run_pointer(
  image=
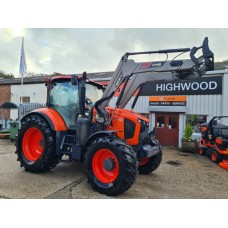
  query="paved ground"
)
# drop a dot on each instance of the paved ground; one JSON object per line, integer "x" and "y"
{"x": 181, "y": 175}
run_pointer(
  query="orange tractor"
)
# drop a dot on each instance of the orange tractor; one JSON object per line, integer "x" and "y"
{"x": 214, "y": 142}
{"x": 113, "y": 143}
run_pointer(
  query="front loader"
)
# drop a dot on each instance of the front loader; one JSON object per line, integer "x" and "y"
{"x": 113, "y": 143}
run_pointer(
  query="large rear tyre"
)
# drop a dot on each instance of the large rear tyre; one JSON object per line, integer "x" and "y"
{"x": 36, "y": 147}
{"x": 111, "y": 166}
{"x": 148, "y": 165}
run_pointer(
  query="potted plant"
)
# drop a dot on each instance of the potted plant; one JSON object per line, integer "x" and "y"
{"x": 188, "y": 143}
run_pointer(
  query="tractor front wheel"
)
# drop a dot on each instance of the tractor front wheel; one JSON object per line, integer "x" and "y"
{"x": 36, "y": 148}
{"x": 200, "y": 149}
{"x": 111, "y": 165}
{"x": 148, "y": 165}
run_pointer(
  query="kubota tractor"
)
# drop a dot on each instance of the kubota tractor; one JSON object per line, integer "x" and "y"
{"x": 113, "y": 143}
{"x": 214, "y": 142}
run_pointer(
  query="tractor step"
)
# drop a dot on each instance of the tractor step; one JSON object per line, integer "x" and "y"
{"x": 66, "y": 160}
{"x": 66, "y": 146}
{"x": 70, "y": 149}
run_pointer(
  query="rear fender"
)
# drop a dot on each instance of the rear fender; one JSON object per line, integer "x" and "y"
{"x": 55, "y": 122}
{"x": 53, "y": 118}
{"x": 221, "y": 150}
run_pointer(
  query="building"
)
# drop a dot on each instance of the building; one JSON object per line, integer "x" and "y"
{"x": 5, "y": 96}
{"x": 184, "y": 102}
{"x": 169, "y": 105}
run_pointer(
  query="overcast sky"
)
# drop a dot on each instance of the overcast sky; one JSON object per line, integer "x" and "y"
{"x": 96, "y": 50}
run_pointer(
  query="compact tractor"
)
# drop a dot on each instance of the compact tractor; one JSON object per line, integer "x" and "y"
{"x": 214, "y": 142}
{"x": 114, "y": 144}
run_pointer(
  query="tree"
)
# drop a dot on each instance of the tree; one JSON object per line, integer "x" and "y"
{"x": 34, "y": 74}
{"x": 5, "y": 76}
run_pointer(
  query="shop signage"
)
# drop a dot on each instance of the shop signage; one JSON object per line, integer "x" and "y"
{"x": 167, "y": 100}
{"x": 200, "y": 86}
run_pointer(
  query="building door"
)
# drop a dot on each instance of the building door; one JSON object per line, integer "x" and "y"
{"x": 167, "y": 128}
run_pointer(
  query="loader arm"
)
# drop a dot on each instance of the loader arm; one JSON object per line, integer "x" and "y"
{"x": 133, "y": 74}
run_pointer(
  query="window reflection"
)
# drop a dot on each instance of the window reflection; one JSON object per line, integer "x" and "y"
{"x": 160, "y": 121}
{"x": 93, "y": 94}
{"x": 64, "y": 98}
{"x": 172, "y": 122}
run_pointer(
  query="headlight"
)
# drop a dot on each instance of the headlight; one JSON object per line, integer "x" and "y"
{"x": 144, "y": 125}
{"x": 129, "y": 129}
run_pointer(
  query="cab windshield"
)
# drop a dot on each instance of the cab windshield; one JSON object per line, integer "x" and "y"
{"x": 64, "y": 98}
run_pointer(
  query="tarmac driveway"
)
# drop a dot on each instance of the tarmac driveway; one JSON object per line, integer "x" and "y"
{"x": 180, "y": 175}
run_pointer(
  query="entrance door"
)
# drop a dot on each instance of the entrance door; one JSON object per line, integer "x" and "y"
{"x": 167, "y": 128}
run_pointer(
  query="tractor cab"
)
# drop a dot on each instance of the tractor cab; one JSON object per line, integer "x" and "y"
{"x": 64, "y": 97}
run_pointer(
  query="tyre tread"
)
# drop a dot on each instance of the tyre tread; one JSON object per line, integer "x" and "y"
{"x": 129, "y": 160}
{"x": 153, "y": 163}
{"x": 49, "y": 158}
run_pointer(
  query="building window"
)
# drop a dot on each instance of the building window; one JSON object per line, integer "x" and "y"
{"x": 172, "y": 122}
{"x": 160, "y": 121}
{"x": 25, "y": 99}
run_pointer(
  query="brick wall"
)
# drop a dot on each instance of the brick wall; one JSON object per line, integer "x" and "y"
{"x": 4, "y": 97}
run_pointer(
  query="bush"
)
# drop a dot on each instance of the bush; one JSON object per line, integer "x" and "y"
{"x": 188, "y": 132}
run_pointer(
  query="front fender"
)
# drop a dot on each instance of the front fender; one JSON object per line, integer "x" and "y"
{"x": 97, "y": 135}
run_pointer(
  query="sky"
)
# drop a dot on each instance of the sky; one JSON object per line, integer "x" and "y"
{"x": 96, "y": 50}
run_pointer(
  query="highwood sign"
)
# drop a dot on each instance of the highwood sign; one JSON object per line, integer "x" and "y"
{"x": 200, "y": 86}
{"x": 167, "y": 100}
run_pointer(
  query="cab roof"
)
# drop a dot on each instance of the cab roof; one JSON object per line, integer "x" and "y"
{"x": 68, "y": 77}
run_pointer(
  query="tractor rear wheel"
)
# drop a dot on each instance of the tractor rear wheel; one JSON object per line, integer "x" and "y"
{"x": 111, "y": 165}
{"x": 36, "y": 147}
{"x": 148, "y": 165}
